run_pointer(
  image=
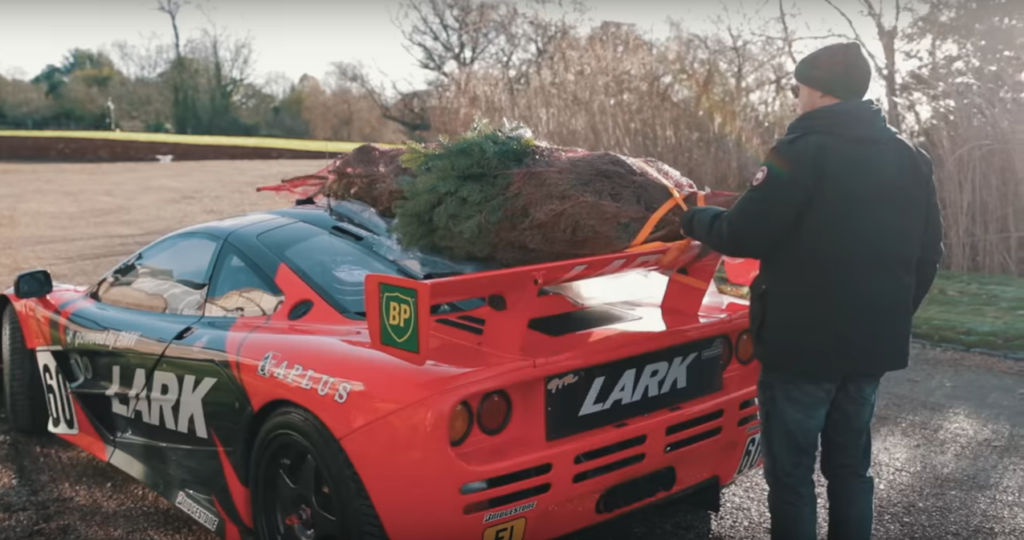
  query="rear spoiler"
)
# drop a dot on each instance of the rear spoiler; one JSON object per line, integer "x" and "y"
{"x": 402, "y": 313}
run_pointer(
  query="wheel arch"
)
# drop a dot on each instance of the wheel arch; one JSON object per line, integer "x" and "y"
{"x": 372, "y": 527}
{"x": 259, "y": 419}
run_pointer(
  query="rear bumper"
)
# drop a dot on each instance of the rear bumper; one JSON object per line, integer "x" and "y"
{"x": 422, "y": 490}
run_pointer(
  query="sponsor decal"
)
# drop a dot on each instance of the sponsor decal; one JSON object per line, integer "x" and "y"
{"x": 81, "y": 368}
{"x": 762, "y": 173}
{"x": 714, "y": 350}
{"x": 197, "y": 512}
{"x": 107, "y": 338}
{"x": 399, "y": 327}
{"x": 656, "y": 379}
{"x": 273, "y": 366}
{"x": 751, "y": 455}
{"x": 555, "y": 384}
{"x": 512, "y": 530}
{"x": 63, "y": 418}
{"x": 495, "y": 516}
{"x": 156, "y": 406}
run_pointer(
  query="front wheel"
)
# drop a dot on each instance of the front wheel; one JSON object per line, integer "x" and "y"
{"x": 22, "y": 385}
{"x": 303, "y": 487}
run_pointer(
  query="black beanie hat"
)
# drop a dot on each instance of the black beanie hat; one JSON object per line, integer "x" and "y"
{"x": 840, "y": 70}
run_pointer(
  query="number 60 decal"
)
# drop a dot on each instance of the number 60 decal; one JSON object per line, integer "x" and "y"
{"x": 58, "y": 396}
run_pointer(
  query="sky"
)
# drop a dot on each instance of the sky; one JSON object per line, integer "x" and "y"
{"x": 297, "y": 37}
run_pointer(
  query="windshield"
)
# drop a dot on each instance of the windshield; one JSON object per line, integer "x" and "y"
{"x": 333, "y": 266}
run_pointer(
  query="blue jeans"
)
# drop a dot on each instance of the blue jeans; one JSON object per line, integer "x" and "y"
{"x": 794, "y": 413}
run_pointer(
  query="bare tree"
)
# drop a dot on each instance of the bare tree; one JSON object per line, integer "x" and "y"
{"x": 171, "y": 8}
{"x": 445, "y": 36}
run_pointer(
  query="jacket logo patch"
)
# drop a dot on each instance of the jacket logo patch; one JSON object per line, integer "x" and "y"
{"x": 156, "y": 406}
{"x": 271, "y": 365}
{"x": 762, "y": 173}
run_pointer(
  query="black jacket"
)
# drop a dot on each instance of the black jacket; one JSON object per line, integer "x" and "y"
{"x": 844, "y": 219}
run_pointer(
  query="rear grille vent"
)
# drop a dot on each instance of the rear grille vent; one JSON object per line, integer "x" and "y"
{"x": 605, "y": 451}
{"x": 461, "y": 326}
{"x": 505, "y": 479}
{"x": 504, "y": 500}
{"x": 607, "y": 469}
{"x": 694, "y": 422}
{"x": 748, "y": 419}
{"x": 690, "y": 441}
{"x": 752, "y": 402}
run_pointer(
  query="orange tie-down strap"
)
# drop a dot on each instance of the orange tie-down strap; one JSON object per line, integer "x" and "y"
{"x": 677, "y": 248}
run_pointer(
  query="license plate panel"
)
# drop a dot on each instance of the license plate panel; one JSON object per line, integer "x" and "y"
{"x": 598, "y": 396}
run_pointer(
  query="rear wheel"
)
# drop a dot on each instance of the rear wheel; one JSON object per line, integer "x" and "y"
{"x": 23, "y": 396}
{"x": 303, "y": 487}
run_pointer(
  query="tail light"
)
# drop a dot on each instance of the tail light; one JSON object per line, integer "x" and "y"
{"x": 460, "y": 424}
{"x": 745, "y": 347}
{"x": 494, "y": 412}
{"x": 726, "y": 352}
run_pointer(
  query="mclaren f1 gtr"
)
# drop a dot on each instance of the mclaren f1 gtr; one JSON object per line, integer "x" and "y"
{"x": 298, "y": 374}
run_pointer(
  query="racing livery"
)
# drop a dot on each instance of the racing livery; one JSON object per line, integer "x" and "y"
{"x": 297, "y": 374}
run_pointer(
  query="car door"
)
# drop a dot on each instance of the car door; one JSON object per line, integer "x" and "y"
{"x": 241, "y": 298}
{"x": 114, "y": 337}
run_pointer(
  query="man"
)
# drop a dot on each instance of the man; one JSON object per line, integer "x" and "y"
{"x": 844, "y": 219}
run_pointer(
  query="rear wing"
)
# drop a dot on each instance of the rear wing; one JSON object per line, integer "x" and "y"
{"x": 403, "y": 313}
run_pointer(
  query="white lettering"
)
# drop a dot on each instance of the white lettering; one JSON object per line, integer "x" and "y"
{"x": 299, "y": 373}
{"x": 279, "y": 372}
{"x": 162, "y": 398}
{"x": 342, "y": 394}
{"x": 115, "y": 384}
{"x": 652, "y": 375}
{"x": 191, "y": 404}
{"x": 137, "y": 400}
{"x": 623, "y": 390}
{"x": 677, "y": 373}
{"x": 325, "y": 385}
{"x": 589, "y": 406}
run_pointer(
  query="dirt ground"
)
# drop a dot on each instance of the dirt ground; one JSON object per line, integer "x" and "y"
{"x": 949, "y": 432}
{"x": 78, "y": 220}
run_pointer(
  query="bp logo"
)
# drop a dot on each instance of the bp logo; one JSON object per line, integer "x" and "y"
{"x": 399, "y": 327}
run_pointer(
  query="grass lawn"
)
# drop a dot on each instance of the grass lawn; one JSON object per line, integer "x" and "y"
{"x": 217, "y": 140}
{"x": 974, "y": 310}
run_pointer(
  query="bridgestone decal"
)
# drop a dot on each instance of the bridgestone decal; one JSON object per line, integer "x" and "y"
{"x": 199, "y": 513}
{"x": 494, "y": 516}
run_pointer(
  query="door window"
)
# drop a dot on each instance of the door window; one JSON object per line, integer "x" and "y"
{"x": 240, "y": 290}
{"x": 170, "y": 276}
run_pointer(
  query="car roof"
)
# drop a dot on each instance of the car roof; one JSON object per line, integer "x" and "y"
{"x": 222, "y": 228}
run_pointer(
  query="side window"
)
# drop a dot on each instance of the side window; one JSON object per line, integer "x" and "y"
{"x": 170, "y": 276}
{"x": 239, "y": 290}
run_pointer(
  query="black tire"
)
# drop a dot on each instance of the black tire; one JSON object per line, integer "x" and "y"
{"x": 288, "y": 438}
{"x": 23, "y": 396}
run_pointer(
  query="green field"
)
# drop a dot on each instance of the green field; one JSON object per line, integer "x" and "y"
{"x": 976, "y": 311}
{"x": 340, "y": 147}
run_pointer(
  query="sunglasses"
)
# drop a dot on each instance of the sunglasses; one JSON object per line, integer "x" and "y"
{"x": 795, "y": 90}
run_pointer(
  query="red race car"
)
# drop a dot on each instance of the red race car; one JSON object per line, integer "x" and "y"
{"x": 298, "y": 374}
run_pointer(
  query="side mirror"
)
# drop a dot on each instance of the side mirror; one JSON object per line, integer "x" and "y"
{"x": 33, "y": 284}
